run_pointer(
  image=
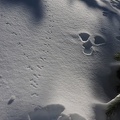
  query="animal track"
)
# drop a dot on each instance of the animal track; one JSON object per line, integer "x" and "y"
{"x": 98, "y": 40}
{"x": 84, "y": 37}
{"x": 19, "y": 43}
{"x": 33, "y": 83}
{"x": 35, "y": 75}
{"x": 7, "y": 23}
{"x": 14, "y": 33}
{"x": 106, "y": 13}
{"x": 42, "y": 58}
{"x": 40, "y": 67}
{"x": 115, "y": 3}
{"x": 103, "y": 30}
{"x": 87, "y": 48}
{"x": 88, "y": 45}
{"x": 34, "y": 94}
{"x": 47, "y": 44}
{"x": 30, "y": 67}
{"x": 25, "y": 55}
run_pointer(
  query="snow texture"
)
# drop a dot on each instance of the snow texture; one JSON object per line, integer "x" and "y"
{"x": 57, "y": 54}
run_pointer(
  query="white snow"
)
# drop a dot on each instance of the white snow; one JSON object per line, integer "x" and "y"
{"x": 44, "y": 60}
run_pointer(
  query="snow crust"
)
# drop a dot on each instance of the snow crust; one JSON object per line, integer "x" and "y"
{"x": 44, "y": 60}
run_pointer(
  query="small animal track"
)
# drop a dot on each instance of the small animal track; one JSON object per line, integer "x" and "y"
{"x": 19, "y": 43}
{"x": 40, "y": 67}
{"x": 14, "y": 33}
{"x": 7, "y": 23}
{"x": 30, "y": 67}
{"x": 50, "y": 23}
{"x": 43, "y": 59}
{"x": 33, "y": 83}
{"x": 106, "y": 13}
{"x": 115, "y": 3}
{"x": 98, "y": 40}
{"x": 36, "y": 75}
{"x": 84, "y": 37}
{"x": 34, "y": 94}
{"x": 25, "y": 55}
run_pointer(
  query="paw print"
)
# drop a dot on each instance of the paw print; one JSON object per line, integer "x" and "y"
{"x": 89, "y": 43}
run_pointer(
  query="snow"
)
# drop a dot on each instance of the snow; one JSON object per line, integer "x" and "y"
{"x": 44, "y": 60}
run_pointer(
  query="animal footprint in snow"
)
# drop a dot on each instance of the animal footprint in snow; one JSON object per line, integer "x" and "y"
{"x": 115, "y": 4}
{"x": 108, "y": 13}
{"x": 98, "y": 40}
{"x": 33, "y": 83}
{"x": 87, "y": 48}
{"x": 84, "y": 37}
{"x": 118, "y": 37}
{"x": 34, "y": 94}
{"x": 105, "y": 13}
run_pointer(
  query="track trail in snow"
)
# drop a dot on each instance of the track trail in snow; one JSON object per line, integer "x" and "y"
{"x": 61, "y": 56}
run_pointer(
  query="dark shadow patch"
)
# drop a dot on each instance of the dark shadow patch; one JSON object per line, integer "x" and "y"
{"x": 108, "y": 13}
{"x": 64, "y": 117}
{"x": 99, "y": 110}
{"x": 87, "y": 48}
{"x": 100, "y": 113}
{"x": 116, "y": 4}
{"x": 76, "y": 117}
{"x": 12, "y": 99}
{"x": 93, "y": 4}
{"x": 84, "y": 36}
{"x": 118, "y": 37}
{"x": 99, "y": 40}
{"x": 30, "y": 111}
{"x": 48, "y": 112}
{"x": 35, "y": 6}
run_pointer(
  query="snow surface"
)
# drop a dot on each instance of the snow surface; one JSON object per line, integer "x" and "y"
{"x": 57, "y": 54}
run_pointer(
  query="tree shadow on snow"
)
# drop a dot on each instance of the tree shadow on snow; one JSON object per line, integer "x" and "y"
{"x": 94, "y": 4}
{"x": 27, "y": 111}
{"x": 100, "y": 113}
{"x": 99, "y": 110}
{"x": 35, "y": 6}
